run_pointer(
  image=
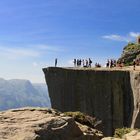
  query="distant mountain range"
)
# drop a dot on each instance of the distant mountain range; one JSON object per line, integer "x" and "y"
{"x": 20, "y": 93}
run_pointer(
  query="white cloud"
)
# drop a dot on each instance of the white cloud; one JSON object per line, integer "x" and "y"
{"x": 48, "y": 48}
{"x": 12, "y": 52}
{"x": 129, "y": 37}
{"x": 18, "y": 52}
{"x": 116, "y": 38}
{"x": 133, "y": 34}
{"x": 23, "y": 52}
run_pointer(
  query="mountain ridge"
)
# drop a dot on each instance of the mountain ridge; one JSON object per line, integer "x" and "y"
{"x": 16, "y": 93}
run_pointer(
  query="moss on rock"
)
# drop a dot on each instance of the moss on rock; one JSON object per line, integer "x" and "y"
{"x": 83, "y": 118}
{"x": 120, "y": 132}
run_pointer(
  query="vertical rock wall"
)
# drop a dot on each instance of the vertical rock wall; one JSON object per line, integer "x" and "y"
{"x": 111, "y": 96}
{"x": 135, "y": 85}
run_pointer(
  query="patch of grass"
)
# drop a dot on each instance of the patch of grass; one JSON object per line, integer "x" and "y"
{"x": 120, "y": 132}
{"x": 83, "y": 118}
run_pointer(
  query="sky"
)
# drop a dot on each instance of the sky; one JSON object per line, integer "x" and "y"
{"x": 35, "y": 32}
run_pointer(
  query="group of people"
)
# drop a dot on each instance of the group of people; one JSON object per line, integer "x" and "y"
{"x": 111, "y": 63}
{"x": 82, "y": 62}
{"x": 97, "y": 65}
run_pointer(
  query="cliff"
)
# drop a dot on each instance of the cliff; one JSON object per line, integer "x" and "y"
{"x": 110, "y": 95}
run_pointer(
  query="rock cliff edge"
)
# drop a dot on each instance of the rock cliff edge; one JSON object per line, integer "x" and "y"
{"x": 110, "y": 95}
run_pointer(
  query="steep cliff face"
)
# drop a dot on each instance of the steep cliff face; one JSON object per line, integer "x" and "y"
{"x": 111, "y": 96}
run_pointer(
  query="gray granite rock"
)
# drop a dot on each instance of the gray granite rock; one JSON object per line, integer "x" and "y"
{"x": 113, "y": 96}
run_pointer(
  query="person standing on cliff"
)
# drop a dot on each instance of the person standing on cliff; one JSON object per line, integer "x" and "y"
{"x": 134, "y": 64}
{"x": 74, "y": 62}
{"x": 55, "y": 62}
{"x": 90, "y": 62}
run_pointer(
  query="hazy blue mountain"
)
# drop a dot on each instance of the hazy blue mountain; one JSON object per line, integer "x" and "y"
{"x": 20, "y": 93}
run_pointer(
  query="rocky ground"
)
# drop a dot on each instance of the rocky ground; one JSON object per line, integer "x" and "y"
{"x": 43, "y": 124}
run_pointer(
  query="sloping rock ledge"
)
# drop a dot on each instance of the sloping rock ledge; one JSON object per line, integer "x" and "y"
{"x": 43, "y": 124}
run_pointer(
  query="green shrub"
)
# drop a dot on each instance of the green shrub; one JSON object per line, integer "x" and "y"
{"x": 131, "y": 43}
{"x": 83, "y": 118}
{"x": 120, "y": 132}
